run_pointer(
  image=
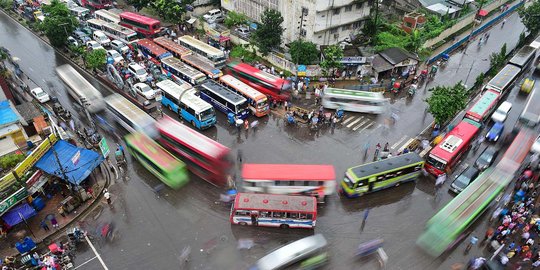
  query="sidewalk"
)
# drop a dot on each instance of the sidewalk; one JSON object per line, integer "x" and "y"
{"x": 100, "y": 179}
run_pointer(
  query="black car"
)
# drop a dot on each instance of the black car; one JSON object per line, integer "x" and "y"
{"x": 487, "y": 158}
{"x": 464, "y": 179}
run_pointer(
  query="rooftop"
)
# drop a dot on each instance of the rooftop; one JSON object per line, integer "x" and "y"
{"x": 7, "y": 113}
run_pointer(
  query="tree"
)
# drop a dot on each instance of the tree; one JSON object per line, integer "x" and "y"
{"x": 332, "y": 58}
{"x": 59, "y": 23}
{"x": 415, "y": 41}
{"x": 171, "y": 11}
{"x": 95, "y": 59}
{"x": 530, "y": 17}
{"x": 446, "y": 101}
{"x": 139, "y": 4}
{"x": 497, "y": 60}
{"x": 268, "y": 34}
{"x": 234, "y": 19}
{"x": 303, "y": 52}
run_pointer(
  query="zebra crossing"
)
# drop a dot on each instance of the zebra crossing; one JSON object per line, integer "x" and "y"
{"x": 357, "y": 123}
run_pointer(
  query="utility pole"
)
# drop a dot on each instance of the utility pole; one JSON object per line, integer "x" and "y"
{"x": 300, "y": 29}
{"x": 64, "y": 175}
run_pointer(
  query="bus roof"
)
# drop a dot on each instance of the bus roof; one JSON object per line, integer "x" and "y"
{"x": 138, "y": 18}
{"x": 504, "y": 77}
{"x": 153, "y": 151}
{"x": 124, "y": 30}
{"x": 482, "y": 106}
{"x": 223, "y": 92}
{"x": 172, "y": 88}
{"x": 241, "y": 87}
{"x": 201, "y": 63}
{"x": 243, "y": 67}
{"x": 194, "y": 139}
{"x": 456, "y": 139}
{"x": 298, "y": 172}
{"x": 285, "y": 203}
{"x": 96, "y": 21}
{"x": 108, "y": 15}
{"x": 384, "y": 165}
{"x": 172, "y": 46}
{"x": 523, "y": 56}
{"x": 77, "y": 82}
{"x": 193, "y": 101}
{"x": 182, "y": 67}
{"x": 201, "y": 45}
{"x": 153, "y": 47}
{"x": 355, "y": 93}
{"x": 531, "y": 112}
{"x": 128, "y": 109}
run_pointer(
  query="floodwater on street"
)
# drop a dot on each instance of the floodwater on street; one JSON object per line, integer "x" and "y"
{"x": 154, "y": 227}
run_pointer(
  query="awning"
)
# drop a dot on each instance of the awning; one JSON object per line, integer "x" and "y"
{"x": 483, "y": 13}
{"x": 77, "y": 163}
{"x": 16, "y": 215}
{"x": 191, "y": 21}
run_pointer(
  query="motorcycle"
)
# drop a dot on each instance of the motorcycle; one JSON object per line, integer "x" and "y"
{"x": 444, "y": 59}
{"x": 412, "y": 90}
{"x": 369, "y": 247}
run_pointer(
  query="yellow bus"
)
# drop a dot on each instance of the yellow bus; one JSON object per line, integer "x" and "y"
{"x": 258, "y": 102}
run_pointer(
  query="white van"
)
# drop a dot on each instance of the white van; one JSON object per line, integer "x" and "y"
{"x": 101, "y": 38}
{"x": 80, "y": 12}
{"x": 213, "y": 15}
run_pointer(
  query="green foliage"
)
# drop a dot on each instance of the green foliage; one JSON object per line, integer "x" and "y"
{"x": 6, "y": 4}
{"x": 171, "y": 11}
{"x": 304, "y": 52}
{"x": 138, "y": 4}
{"x": 332, "y": 57}
{"x": 59, "y": 23}
{"x": 393, "y": 37}
{"x": 10, "y": 160}
{"x": 242, "y": 52}
{"x": 530, "y": 17}
{"x": 95, "y": 59}
{"x": 497, "y": 60}
{"x": 445, "y": 102}
{"x": 234, "y": 19}
{"x": 268, "y": 34}
{"x": 479, "y": 80}
{"x": 77, "y": 50}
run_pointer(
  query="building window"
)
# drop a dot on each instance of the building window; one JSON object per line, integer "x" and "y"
{"x": 336, "y": 11}
{"x": 356, "y": 25}
{"x": 319, "y": 37}
{"x": 346, "y": 27}
{"x": 333, "y": 30}
{"x": 348, "y": 8}
{"x": 303, "y": 32}
{"x": 359, "y": 6}
{"x": 305, "y": 11}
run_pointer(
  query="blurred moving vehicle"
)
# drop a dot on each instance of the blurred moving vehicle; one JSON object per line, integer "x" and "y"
{"x": 535, "y": 148}
{"x": 527, "y": 85}
{"x": 495, "y": 132}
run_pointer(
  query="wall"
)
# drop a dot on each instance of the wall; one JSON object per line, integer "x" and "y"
{"x": 461, "y": 24}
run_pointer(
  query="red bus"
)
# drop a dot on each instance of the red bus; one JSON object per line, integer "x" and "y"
{"x": 146, "y": 26}
{"x": 447, "y": 153}
{"x": 96, "y": 4}
{"x": 263, "y": 82}
{"x": 304, "y": 179}
{"x": 151, "y": 50}
{"x": 204, "y": 157}
{"x": 274, "y": 210}
{"x": 484, "y": 106}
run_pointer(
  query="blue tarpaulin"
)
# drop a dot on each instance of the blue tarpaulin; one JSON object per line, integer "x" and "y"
{"x": 77, "y": 163}
{"x": 7, "y": 115}
{"x": 16, "y": 215}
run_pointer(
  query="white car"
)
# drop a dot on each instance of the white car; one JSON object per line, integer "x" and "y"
{"x": 72, "y": 41}
{"x": 94, "y": 45}
{"x": 535, "y": 148}
{"x": 115, "y": 56}
{"x": 144, "y": 90}
{"x": 101, "y": 38}
{"x": 502, "y": 112}
{"x": 119, "y": 46}
{"x": 138, "y": 71}
{"x": 40, "y": 95}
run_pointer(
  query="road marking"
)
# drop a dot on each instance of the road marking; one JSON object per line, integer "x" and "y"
{"x": 366, "y": 127}
{"x": 89, "y": 260}
{"x": 424, "y": 152}
{"x": 348, "y": 119}
{"x": 398, "y": 142}
{"x": 406, "y": 144}
{"x": 361, "y": 124}
{"x": 354, "y": 122}
{"x": 95, "y": 252}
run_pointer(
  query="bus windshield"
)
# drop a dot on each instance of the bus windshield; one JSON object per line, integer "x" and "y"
{"x": 200, "y": 80}
{"x": 261, "y": 103}
{"x": 207, "y": 114}
{"x": 241, "y": 107}
{"x": 436, "y": 163}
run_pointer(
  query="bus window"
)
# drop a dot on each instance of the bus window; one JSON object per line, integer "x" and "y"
{"x": 205, "y": 115}
{"x": 264, "y": 214}
{"x": 278, "y": 214}
{"x": 292, "y": 215}
{"x": 242, "y": 213}
{"x": 361, "y": 183}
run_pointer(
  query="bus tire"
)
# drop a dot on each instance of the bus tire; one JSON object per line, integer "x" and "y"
{"x": 242, "y": 223}
{"x": 284, "y": 226}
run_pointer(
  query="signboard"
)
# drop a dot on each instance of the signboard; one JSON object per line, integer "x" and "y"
{"x": 301, "y": 70}
{"x": 75, "y": 158}
{"x": 16, "y": 197}
{"x": 34, "y": 178}
{"x": 354, "y": 60}
{"x": 104, "y": 147}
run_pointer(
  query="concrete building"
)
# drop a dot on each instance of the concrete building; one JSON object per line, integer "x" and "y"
{"x": 326, "y": 22}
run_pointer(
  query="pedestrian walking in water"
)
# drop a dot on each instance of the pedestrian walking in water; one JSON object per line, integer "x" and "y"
{"x": 246, "y": 125}
{"x": 107, "y": 196}
{"x": 366, "y": 214}
{"x": 239, "y": 155}
{"x": 504, "y": 21}
{"x": 44, "y": 225}
{"x": 54, "y": 223}
{"x": 386, "y": 147}
{"x": 440, "y": 180}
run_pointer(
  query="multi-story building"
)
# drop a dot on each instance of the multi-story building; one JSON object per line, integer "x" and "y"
{"x": 325, "y": 22}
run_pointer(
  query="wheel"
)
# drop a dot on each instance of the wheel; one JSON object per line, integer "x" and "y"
{"x": 242, "y": 223}
{"x": 284, "y": 226}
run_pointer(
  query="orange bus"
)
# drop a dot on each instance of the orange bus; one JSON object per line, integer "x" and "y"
{"x": 258, "y": 102}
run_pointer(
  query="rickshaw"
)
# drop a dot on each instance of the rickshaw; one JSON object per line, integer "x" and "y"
{"x": 444, "y": 58}
{"x": 527, "y": 85}
{"x": 412, "y": 90}
{"x": 369, "y": 247}
{"x": 433, "y": 71}
{"x": 396, "y": 87}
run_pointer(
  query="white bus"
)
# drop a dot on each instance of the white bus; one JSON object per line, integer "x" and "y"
{"x": 80, "y": 12}
{"x": 131, "y": 117}
{"x": 115, "y": 31}
{"x": 80, "y": 89}
{"x": 354, "y": 101}
{"x": 291, "y": 253}
{"x": 95, "y": 24}
{"x": 258, "y": 102}
{"x": 181, "y": 71}
{"x": 215, "y": 55}
{"x": 107, "y": 16}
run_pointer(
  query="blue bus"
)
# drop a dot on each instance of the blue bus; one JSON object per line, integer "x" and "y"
{"x": 182, "y": 100}
{"x": 224, "y": 99}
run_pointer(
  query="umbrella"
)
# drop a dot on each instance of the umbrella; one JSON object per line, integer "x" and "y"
{"x": 482, "y": 12}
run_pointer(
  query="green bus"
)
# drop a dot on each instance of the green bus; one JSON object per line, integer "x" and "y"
{"x": 157, "y": 160}
{"x": 381, "y": 174}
